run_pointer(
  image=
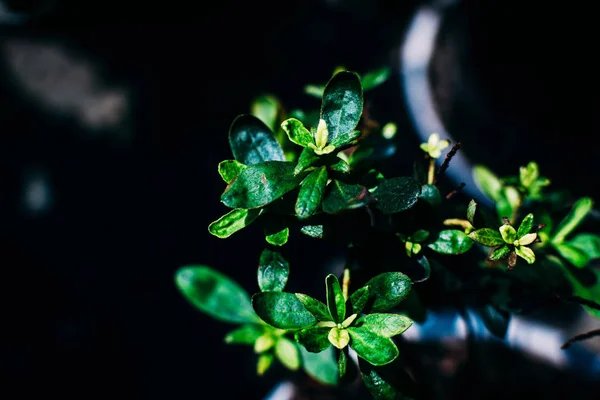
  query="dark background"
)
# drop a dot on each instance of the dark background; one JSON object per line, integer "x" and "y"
{"x": 89, "y": 307}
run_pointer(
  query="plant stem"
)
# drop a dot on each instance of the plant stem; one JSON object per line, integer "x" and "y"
{"x": 346, "y": 283}
{"x": 431, "y": 171}
{"x": 581, "y": 336}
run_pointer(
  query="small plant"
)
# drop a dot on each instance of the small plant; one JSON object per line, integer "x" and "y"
{"x": 319, "y": 173}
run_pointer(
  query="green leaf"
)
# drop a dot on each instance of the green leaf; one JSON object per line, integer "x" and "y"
{"x": 345, "y": 138}
{"x": 317, "y": 308}
{"x": 374, "y": 78}
{"x": 343, "y": 196}
{"x": 307, "y": 159}
{"x": 335, "y": 298}
{"x": 314, "y": 339}
{"x": 525, "y": 253}
{"x": 342, "y": 104}
{"x": 471, "y": 209}
{"x": 451, "y": 241}
{"x": 358, "y": 300}
{"x": 487, "y": 237}
{"x": 528, "y": 174}
{"x": 273, "y": 271}
{"x": 252, "y": 142}
{"x": 431, "y": 195}
{"x": 587, "y": 243}
{"x": 390, "y": 382}
{"x": 264, "y": 343}
{"x": 487, "y": 182}
{"x": 377, "y": 350}
{"x": 311, "y": 193}
{"x": 396, "y": 194}
{"x": 282, "y": 310}
{"x": 386, "y": 325}
{"x": 573, "y": 219}
{"x": 265, "y": 360}
{"x": 287, "y": 352}
{"x": 508, "y": 201}
{"x": 232, "y": 222}
{"x": 495, "y": 320}
{"x": 499, "y": 253}
{"x": 215, "y": 294}
{"x": 266, "y": 109}
{"x": 260, "y": 184}
{"x": 315, "y": 231}
{"x": 342, "y": 363}
{"x": 340, "y": 166}
{"x": 296, "y": 132}
{"x": 338, "y": 337}
{"x": 525, "y": 226}
{"x": 388, "y": 290}
{"x": 230, "y": 169}
{"x": 314, "y": 90}
{"x": 278, "y": 238}
{"x": 246, "y": 334}
{"x": 572, "y": 254}
{"x": 321, "y": 366}
{"x": 419, "y": 236}
{"x": 508, "y": 233}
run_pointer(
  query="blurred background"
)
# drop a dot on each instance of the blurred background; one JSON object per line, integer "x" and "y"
{"x": 114, "y": 116}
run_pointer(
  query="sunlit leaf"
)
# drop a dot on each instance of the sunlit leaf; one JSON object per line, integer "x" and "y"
{"x": 282, "y": 310}
{"x": 487, "y": 237}
{"x": 338, "y": 337}
{"x": 230, "y": 169}
{"x": 315, "y": 231}
{"x": 287, "y": 353}
{"x": 232, "y": 222}
{"x": 525, "y": 253}
{"x": 266, "y": 109}
{"x": 451, "y": 242}
{"x": 508, "y": 233}
{"x": 265, "y": 361}
{"x": 296, "y": 132}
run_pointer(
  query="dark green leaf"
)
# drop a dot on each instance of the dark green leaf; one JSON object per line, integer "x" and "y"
{"x": 232, "y": 222}
{"x": 389, "y": 382}
{"x": 487, "y": 237}
{"x": 315, "y": 231}
{"x": 342, "y": 104}
{"x": 345, "y": 138}
{"x": 287, "y": 353}
{"x": 307, "y": 159}
{"x": 525, "y": 226}
{"x": 278, "y": 238}
{"x": 499, "y": 253}
{"x": 358, "y": 300}
{"x": 343, "y": 196}
{"x": 282, "y": 310}
{"x": 260, "y": 184}
{"x": 374, "y": 78}
{"x": 451, "y": 242}
{"x": 215, "y": 294}
{"x": 376, "y": 349}
{"x": 273, "y": 271}
{"x": 419, "y": 236}
{"x": 314, "y": 339}
{"x": 431, "y": 195}
{"x": 321, "y": 366}
{"x": 317, "y": 308}
{"x": 396, "y": 194}
{"x": 246, "y": 334}
{"x": 471, "y": 209}
{"x": 340, "y": 166}
{"x": 495, "y": 320}
{"x": 296, "y": 132}
{"x": 487, "y": 182}
{"x": 573, "y": 219}
{"x": 311, "y": 193}
{"x": 572, "y": 254}
{"x": 342, "y": 363}
{"x": 387, "y": 325}
{"x": 388, "y": 290}
{"x": 335, "y": 299}
{"x": 252, "y": 142}
{"x": 230, "y": 169}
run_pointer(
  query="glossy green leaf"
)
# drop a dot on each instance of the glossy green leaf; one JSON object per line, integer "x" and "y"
{"x": 487, "y": 182}
{"x": 282, "y": 310}
{"x": 528, "y": 174}
{"x": 278, "y": 238}
{"x": 307, "y": 159}
{"x": 314, "y": 339}
{"x": 525, "y": 226}
{"x": 471, "y": 209}
{"x": 451, "y": 241}
{"x": 296, "y": 132}
{"x": 273, "y": 271}
{"x": 499, "y": 253}
{"x": 587, "y": 243}
{"x": 508, "y": 233}
{"x": 338, "y": 337}
{"x": 252, "y": 141}
{"x": 430, "y": 195}
{"x": 374, "y": 78}
{"x": 342, "y": 104}
{"x": 246, "y": 334}
{"x": 335, "y": 298}
{"x": 311, "y": 193}
{"x": 266, "y": 109}
{"x": 232, "y": 222}
{"x": 317, "y": 308}
{"x": 358, "y": 300}
{"x": 578, "y": 212}
{"x": 287, "y": 353}
{"x": 376, "y": 349}
{"x": 388, "y": 290}
{"x": 315, "y": 231}
{"x": 345, "y": 138}
{"x": 525, "y": 253}
{"x": 495, "y": 320}
{"x": 343, "y": 196}
{"x": 572, "y": 254}
{"x": 265, "y": 361}
{"x": 387, "y": 325}
{"x": 215, "y": 294}
{"x": 342, "y": 363}
{"x": 340, "y": 166}
{"x": 321, "y": 366}
{"x": 260, "y": 184}
{"x": 487, "y": 237}
{"x": 230, "y": 169}
{"x": 396, "y": 194}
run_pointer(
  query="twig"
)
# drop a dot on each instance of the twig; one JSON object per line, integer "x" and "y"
{"x": 581, "y": 336}
{"x": 455, "y": 190}
{"x": 446, "y": 162}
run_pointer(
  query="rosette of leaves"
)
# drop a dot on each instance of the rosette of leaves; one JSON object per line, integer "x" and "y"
{"x": 223, "y": 299}
{"x": 358, "y": 321}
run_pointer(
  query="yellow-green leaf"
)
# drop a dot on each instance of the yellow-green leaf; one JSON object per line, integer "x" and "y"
{"x": 232, "y": 222}
{"x": 297, "y": 132}
{"x": 338, "y": 337}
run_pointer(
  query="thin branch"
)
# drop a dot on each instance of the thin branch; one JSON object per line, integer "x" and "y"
{"x": 455, "y": 190}
{"x": 446, "y": 162}
{"x": 581, "y": 336}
